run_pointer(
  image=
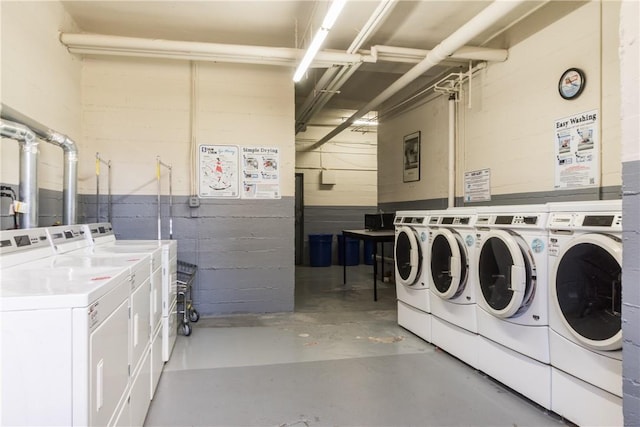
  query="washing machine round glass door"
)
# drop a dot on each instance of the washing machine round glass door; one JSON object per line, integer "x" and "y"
{"x": 408, "y": 256}
{"x": 449, "y": 264}
{"x": 586, "y": 288}
{"x": 505, "y": 274}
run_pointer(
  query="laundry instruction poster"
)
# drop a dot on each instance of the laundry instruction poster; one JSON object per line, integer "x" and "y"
{"x": 577, "y": 151}
{"x": 260, "y": 173}
{"x": 218, "y": 171}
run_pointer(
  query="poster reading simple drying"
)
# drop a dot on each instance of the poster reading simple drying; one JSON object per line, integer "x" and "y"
{"x": 218, "y": 171}
{"x": 577, "y": 151}
{"x": 260, "y": 173}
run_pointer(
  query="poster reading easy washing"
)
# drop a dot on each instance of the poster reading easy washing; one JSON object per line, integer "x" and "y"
{"x": 577, "y": 151}
{"x": 218, "y": 171}
{"x": 260, "y": 173}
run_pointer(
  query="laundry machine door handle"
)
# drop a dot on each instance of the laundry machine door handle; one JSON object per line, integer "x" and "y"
{"x": 413, "y": 257}
{"x": 454, "y": 268}
{"x": 518, "y": 279}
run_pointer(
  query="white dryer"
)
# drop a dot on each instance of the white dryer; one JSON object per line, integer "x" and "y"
{"x": 165, "y": 255}
{"x": 65, "y": 338}
{"x": 511, "y": 253}
{"x": 164, "y": 318}
{"x": 411, "y": 272}
{"x": 75, "y": 251}
{"x": 452, "y": 275}
{"x": 585, "y": 280}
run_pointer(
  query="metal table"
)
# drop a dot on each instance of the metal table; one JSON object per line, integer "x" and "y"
{"x": 372, "y": 236}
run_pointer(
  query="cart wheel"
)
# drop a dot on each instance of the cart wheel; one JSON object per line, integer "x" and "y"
{"x": 194, "y": 316}
{"x": 186, "y": 329}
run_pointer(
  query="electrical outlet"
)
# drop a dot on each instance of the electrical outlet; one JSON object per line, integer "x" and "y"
{"x": 194, "y": 202}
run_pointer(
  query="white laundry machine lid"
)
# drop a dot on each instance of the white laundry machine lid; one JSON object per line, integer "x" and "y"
{"x": 408, "y": 255}
{"x": 586, "y": 288}
{"x": 504, "y": 274}
{"x": 449, "y": 263}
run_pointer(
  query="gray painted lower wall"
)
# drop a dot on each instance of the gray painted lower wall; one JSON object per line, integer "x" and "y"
{"x": 50, "y": 208}
{"x": 631, "y": 294}
{"x": 243, "y": 248}
{"x": 332, "y": 220}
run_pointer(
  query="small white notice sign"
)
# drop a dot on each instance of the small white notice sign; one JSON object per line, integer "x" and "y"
{"x": 477, "y": 186}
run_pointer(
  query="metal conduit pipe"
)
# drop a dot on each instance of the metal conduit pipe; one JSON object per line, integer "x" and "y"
{"x": 69, "y": 147}
{"x": 481, "y": 22}
{"x": 98, "y": 44}
{"x": 28, "y": 186}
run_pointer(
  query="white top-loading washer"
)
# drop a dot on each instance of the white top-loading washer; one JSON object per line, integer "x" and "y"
{"x": 65, "y": 336}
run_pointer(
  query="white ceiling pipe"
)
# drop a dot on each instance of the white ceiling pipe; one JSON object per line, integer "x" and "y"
{"x": 70, "y": 149}
{"x": 333, "y": 79}
{"x": 28, "y": 186}
{"x": 481, "y": 22}
{"x": 409, "y": 55}
{"x": 99, "y": 44}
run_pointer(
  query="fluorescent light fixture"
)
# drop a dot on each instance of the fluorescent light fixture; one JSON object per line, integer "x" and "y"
{"x": 365, "y": 122}
{"x": 318, "y": 39}
{"x": 333, "y": 13}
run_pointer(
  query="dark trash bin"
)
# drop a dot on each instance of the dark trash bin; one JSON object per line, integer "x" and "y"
{"x": 320, "y": 250}
{"x": 352, "y": 249}
{"x": 368, "y": 252}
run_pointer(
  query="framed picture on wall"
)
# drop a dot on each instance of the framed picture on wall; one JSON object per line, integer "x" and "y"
{"x": 411, "y": 158}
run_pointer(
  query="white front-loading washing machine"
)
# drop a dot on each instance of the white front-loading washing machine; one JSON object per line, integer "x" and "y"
{"x": 65, "y": 337}
{"x": 512, "y": 298}
{"x": 452, "y": 275}
{"x": 585, "y": 304}
{"x": 411, "y": 272}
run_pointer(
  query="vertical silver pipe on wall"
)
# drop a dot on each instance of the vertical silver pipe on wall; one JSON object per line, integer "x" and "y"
{"x": 70, "y": 184}
{"x": 452, "y": 151}
{"x": 28, "y": 186}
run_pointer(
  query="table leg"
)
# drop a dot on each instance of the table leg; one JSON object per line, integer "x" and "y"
{"x": 382, "y": 262}
{"x": 344, "y": 259}
{"x": 375, "y": 271}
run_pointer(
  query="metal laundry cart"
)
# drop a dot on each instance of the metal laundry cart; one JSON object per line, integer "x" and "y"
{"x": 186, "y": 312}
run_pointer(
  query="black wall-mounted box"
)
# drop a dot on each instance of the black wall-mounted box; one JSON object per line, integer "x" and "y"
{"x": 382, "y": 221}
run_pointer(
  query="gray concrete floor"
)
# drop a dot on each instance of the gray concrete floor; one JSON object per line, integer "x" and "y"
{"x": 339, "y": 360}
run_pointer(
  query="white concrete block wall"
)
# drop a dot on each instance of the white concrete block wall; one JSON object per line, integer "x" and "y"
{"x": 351, "y": 156}
{"x": 133, "y": 111}
{"x": 39, "y": 79}
{"x": 510, "y": 125}
{"x": 431, "y": 119}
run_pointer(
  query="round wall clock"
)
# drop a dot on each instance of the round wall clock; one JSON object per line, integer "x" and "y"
{"x": 571, "y": 83}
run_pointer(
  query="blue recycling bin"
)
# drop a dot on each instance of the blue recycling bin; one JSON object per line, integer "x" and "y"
{"x": 368, "y": 252}
{"x": 352, "y": 249}
{"x": 320, "y": 249}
